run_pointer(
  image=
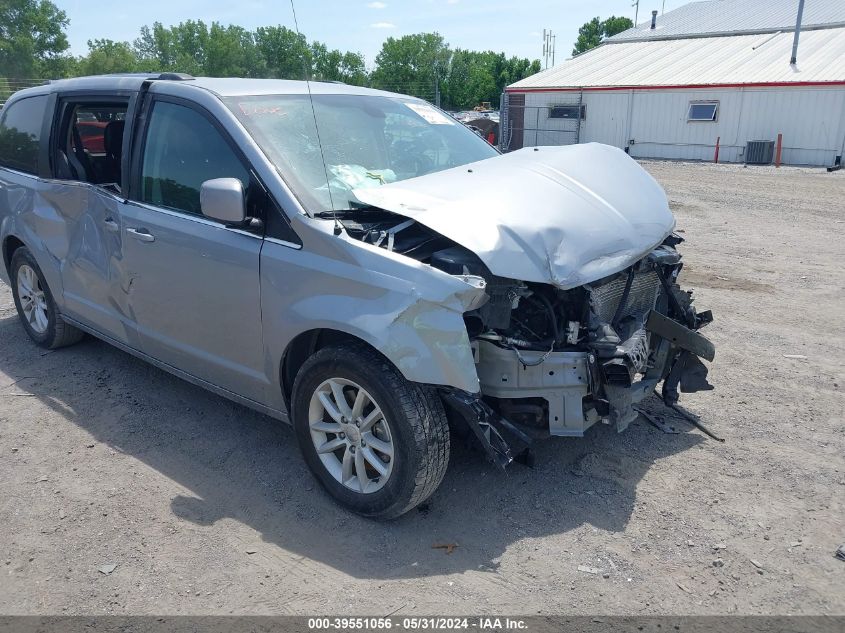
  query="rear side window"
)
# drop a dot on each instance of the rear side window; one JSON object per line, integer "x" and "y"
{"x": 20, "y": 133}
{"x": 183, "y": 149}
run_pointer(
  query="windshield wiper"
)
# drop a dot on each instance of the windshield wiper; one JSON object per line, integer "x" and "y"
{"x": 350, "y": 213}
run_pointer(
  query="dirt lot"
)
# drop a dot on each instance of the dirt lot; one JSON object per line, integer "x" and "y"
{"x": 206, "y": 507}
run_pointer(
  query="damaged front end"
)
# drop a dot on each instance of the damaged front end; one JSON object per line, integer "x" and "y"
{"x": 553, "y": 362}
{"x": 584, "y": 316}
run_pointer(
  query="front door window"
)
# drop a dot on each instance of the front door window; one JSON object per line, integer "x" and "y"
{"x": 183, "y": 150}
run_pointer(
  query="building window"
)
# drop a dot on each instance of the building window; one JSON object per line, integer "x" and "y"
{"x": 703, "y": 111}
{"x": 567, "y": 111}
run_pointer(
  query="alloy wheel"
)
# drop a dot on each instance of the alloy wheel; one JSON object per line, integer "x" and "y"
{"x": 32, "y": 298}
{"x": 351, "y": 435}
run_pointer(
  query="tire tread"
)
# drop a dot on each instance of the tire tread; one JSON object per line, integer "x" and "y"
{"x": 424, "y": 411}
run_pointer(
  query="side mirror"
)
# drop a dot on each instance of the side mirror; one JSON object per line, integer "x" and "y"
{"x": 222, "y": 199}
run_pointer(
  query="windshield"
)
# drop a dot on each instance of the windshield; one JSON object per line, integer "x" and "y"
{"x": 367, "y": 141}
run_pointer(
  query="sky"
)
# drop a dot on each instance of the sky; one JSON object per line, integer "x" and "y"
{"x": 512, "y": 26}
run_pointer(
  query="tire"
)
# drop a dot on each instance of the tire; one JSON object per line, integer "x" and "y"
{"x": 412, "y": 423}
{"x": 43, "y": 323}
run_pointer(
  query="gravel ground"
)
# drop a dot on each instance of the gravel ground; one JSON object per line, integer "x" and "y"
{"x": 205, "y": 507}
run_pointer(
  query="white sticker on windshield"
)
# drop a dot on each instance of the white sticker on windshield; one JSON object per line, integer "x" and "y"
{"x": 430, "y": 114}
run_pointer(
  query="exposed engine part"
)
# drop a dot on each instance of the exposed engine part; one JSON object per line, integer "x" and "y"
{"x": 573, "y": 332}
{"x": 585, "y": 354}
{"x": 606, "y": 299}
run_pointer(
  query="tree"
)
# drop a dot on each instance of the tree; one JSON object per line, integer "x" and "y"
{"x": 32, "y": 38}
{"x": 332, "y": 65}
{"x": 285, "y": 52}
{"x": 412, "y": 64}
{"x": 593, "y": 32}
{"x": 614, "y": 25}
{"x": 107, "y": 56}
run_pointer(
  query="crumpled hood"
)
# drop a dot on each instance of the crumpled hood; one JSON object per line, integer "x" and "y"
{"x": 560, "y": 215}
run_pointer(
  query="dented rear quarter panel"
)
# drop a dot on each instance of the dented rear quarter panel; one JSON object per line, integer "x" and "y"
{"x": 28, "y": 213}
{"x": 61, "y": 223}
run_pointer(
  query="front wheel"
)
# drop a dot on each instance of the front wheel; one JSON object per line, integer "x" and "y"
{"x": 378, "y": 443}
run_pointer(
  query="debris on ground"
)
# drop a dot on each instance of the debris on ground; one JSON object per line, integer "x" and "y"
{"x": 590, "y": 570}
{"x": 107, "y": 568}
{"x": 683, "y": 588}
{"x": 840, "y": 553}
{"x": 795, "y": 356}
{"x": 449, "y": 547}
{"x": 758, "y": 565}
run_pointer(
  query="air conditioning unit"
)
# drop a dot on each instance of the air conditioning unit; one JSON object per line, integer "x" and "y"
{"x": 759, "y": 152}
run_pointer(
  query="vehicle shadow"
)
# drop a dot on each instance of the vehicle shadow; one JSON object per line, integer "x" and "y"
{"x": 242, "y": 465}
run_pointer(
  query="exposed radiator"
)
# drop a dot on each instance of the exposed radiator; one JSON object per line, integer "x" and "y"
{"x": 644, "y": 291}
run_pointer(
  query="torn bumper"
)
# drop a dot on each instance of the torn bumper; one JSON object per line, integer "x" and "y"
{"x": 502, "y": 441}
{"x": 576, "y": 389}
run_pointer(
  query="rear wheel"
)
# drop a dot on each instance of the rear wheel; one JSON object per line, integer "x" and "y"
{"x": 377, "y": 442}
{"x": 36, "y": 307}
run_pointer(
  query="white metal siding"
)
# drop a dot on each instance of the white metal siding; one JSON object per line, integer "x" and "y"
{"x": 732, "y": 16}
{"x": 607, "y": 118}
{"x": 811, "y": 119}
{"x": 713, "y": 61}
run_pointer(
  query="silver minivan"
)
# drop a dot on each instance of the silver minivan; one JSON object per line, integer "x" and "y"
{"x": 354, "y": 262}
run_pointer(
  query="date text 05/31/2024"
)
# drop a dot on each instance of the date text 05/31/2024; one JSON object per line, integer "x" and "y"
{"x": 417, "y": 623}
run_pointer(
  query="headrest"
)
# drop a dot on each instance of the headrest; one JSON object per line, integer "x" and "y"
{"x": 113, "y": 137}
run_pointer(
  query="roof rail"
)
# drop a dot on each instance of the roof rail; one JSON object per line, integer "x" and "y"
{"x": 175, "y": 77}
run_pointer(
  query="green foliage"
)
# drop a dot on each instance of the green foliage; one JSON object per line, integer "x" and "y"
{"x": 33, "y": 45}
{"x": 32, "y": 37}
{"x": 107, "y": 56}
{"x": 414, "y": 63}
{"x": 285, "y": 52}
{"x": 593, "y": 32}
{"x": 614, "y": 25}
{"x": 476, "y": 76}
{"x": 411, "y": 63}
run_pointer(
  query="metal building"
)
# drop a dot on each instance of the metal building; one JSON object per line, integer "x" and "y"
{"x": 715, "y": 72}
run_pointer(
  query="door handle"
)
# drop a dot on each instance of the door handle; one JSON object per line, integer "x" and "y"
{"x": 111, "y": 225}
{"x": 141, "y": 234}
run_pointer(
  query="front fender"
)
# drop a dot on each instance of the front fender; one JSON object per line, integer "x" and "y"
{"x": 410, "y": 312}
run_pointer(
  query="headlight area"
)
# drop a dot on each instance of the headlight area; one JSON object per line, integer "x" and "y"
{"x": 554, "y": 362}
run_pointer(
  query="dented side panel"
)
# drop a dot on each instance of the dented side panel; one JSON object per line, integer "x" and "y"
{"x": 63, "y": 225}
{"x": 95, "y": 289}
{"x": 30, "y": 217}
{"x": 410, "y": 312}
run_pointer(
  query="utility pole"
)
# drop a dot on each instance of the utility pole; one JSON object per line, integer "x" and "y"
{"x": 636, "y": 4}
{"x": 548, "y": 47}
{"x": 545, "y": 59}
{"x": 794, "y": 59}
